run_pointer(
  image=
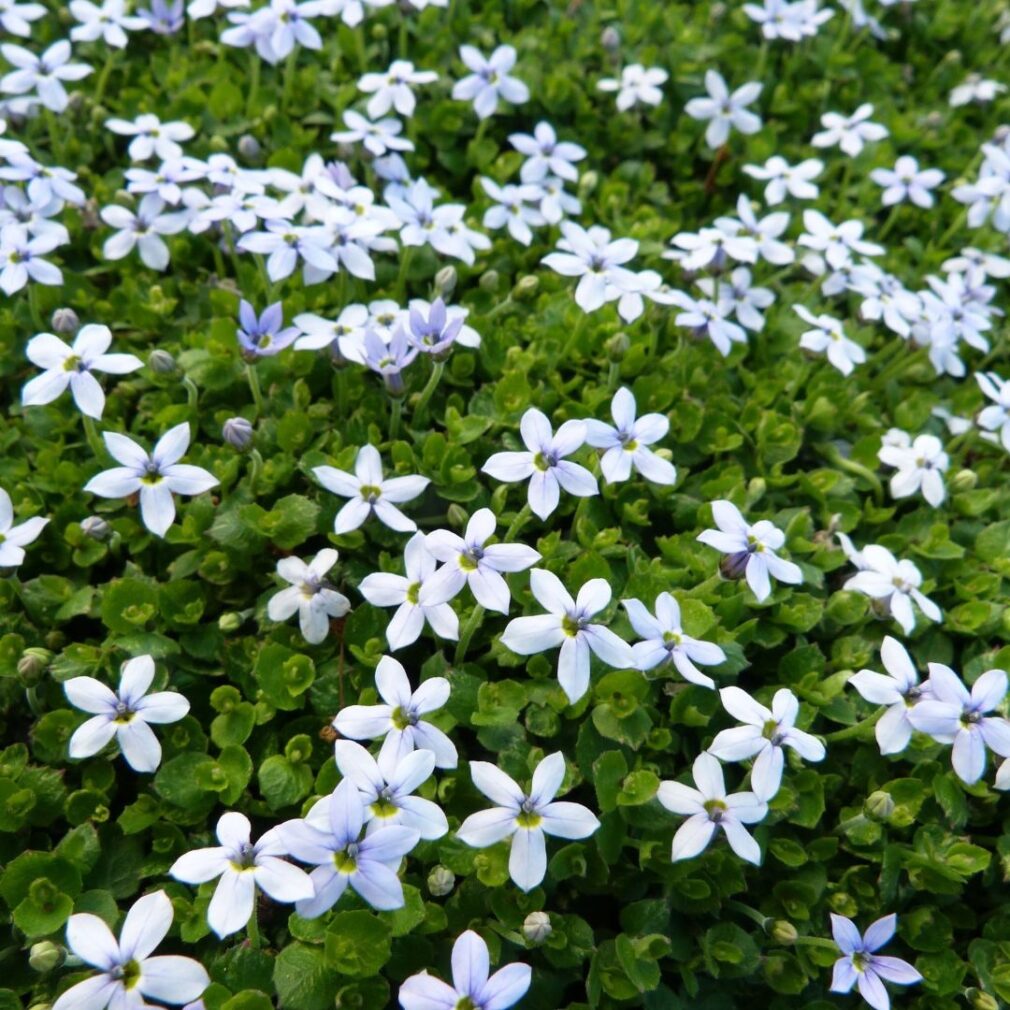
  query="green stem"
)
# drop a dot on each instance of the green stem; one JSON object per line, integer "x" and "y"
{"x": 469, "y": 628}
{"x": 254, "y": 387}
{"x": 406, "y": 254}
{"x": 55, "y": 144}
{"x": 32, "y": 697}
{"x": 522, "y": 517}
{"x": 816, "y": 941}
{"x": 35, "y": 308}
{"x": 752, "y": 913}
{"x": 613, "y": 375}
{"x": 103, "y": 77}
{"x": 421, "y": 408}
{"x": 94, "y": 439}
{"x": 254, "y": 927}
{"x": 254, "y": 82}
{"x": 192, "y": 397}
{"x": 395, "y": 413}
{"x": 858, "y": 731}
{"x": 832, "y": 455}
{"x": 255, "y": 467}
{"x": 709, "y": 583}
{"x": 229, "y": 237}
{"x": 289, "y": 75}
{"x": 889, "y": 223}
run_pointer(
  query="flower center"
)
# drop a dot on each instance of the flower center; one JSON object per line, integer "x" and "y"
{"x": 346, "y": 861}
{"x": 370, "y": 493}
{"x": 413, "y": 592}
{"x": 124, "y": 713}
{"x": 572, "y": 625}
{"x": 128, "y": 974}
{"x": 402, "y": 718}
{"x": 716, "y": 810}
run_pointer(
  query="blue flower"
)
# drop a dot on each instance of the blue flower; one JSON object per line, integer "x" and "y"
{"x": 263, "y": 337}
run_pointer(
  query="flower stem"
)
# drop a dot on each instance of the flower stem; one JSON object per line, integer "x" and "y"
{"x": 254, "y": 82}
{"x": 289, "y": 76}
{"x": 421, "y": 409}
{"x": 192, "y": 397}
{"x": 94, "y": 439}
{"x": 468, "y": 629}
{"x": 103, "y": 77}
{"x": 34, "y": 308}
{"x": 406, "y": 254}
{"x": 816, "y": 941}
{"x": 832, "y": 455}
{"x": 255, "y": 466}
{"x": 857, "y": 731}
{"x": 395, "y": 412}
{"x": 522, "y": 517}
{"x": 254, "y": 927}
{"x": 254, "y": 387}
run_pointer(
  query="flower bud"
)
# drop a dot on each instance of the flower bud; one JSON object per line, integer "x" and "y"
{"x": 537, "y": 927}
{"x": 219, "y": 145}
{"x": 249, "y": 146}
{"x": 65, "y": 321}
{"x": 457, "y": 516}
{"x": 238, "y": 433}
{"x": 964, "y": 480}
{"x": 734, "y": 566}
{"x": 617, "y": 346}
{"x": 489, "y": 280}
{"x": 96, "y": 527}
{"x": 782, "y": 932}
{"x": 395, "y": 386}
{"x": 979, "y": 1000}
{"x": 46, "y": 956}
{"x": 526, "y": 287}
{"x": 33, "y": 663}
{"x": 229, "y": 622}
{"x": 879, "y": 805}
{"x": 162, "y": 363}
{"x": 610, "y": 39}
{"x": 1001, "y": 134}
{"x": 588, "y": 181}
{"x": 441, "y": 881}
{"x": 445, "y": 281}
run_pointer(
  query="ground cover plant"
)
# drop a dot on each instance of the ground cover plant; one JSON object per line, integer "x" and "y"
{"x": 504, "y": 503}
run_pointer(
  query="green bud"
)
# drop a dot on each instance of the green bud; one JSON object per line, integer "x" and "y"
{"x": 457, "y": 516}
{"x": 537, "y": 927}
{"x": 588, "y": 182}
{"x": 526, "y": 287}
{"x": 219, "y": 145}
{"x": 229, "y": 622}
{"x": 879, "y": 805}
{"x": 979, "y": 1000}
{"x": 162, "y": 363}
{"x": 617, "y": 346}
{"x": 445, "y": 281}
{"x": 964, "y": 480}
{"x": 46, "y": 956}
{"x": 33, "y": 663}
{"x": 441, "y": 881}
{"x": 782, "y": 932}
{"x": 489, "y": 280}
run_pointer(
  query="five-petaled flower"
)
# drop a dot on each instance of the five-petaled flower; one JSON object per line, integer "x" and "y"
{"x": 626, "y": 442}
{"x": 860, "y": 964}
{"x": 14, "y": 539}
{"x": 308, "y": 594}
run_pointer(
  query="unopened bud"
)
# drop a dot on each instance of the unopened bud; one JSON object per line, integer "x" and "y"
{"x": 1001, "y": 134}
{"x": 46, "y": 956}
{"x": 229, "y": 622}
{"x": 457, "y": 516}
{"x": 162, "y": 363}
{"x": 489, "y": 280}
{"x": 979, "y": 1000}
{"x": 537, "y": 927}
{"x": 96, "y": 528}
{"x": 218, "y": 144}
{"x": 441, "y": 881}
{"x": 238, "y": 433}
{"x": 65, "y": 321}
{"x": 526, "y": 287}
{"x": 610, "y": 39}
{"x": 783, "y": 932}
{"x": 249, "y": 146}
{"x": 879, "y": 805}
{"x": 588, "y": 181}
{"x": 963, "y": 480}
{"x": 617, "y": 346}
{"x": 734, "y": 566}
{"x": 395, "y": 385}
{"x": 445, "y": 281}
{"x": 33, "y": 663}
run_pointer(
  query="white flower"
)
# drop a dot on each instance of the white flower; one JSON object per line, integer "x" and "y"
{"x": 383, "y": 589}
{"x": 921, "y": 465}
{"x": 514, "y": 209}
{"x": 709, "y": 809}
{"x": 525, "y": 818}
{"x": 567, "y": 624}
{"x": 590, "y": 255}
{"x": 441, "y": 227}
{"x": 394, "y": 88}
{"x": 107, "y": 22}
{"x": 369, "y": 493}
{"x": 124, "y": 715}
{"x": 546, "y": 155}
{"x": 711, "y": 247}
{"x": 975, "y": 89}
{"x": 723, "y": 110}
{"x": 399, "y": 720}
{"x": 309, "y": 595}
{"x": 899, "y": 690}
{"x": 954, "y": 715}
{"x": 763, "y": 736}
{"x": 21, "y": 257}
{"x": 14, "y": 539}
{"x": 127, "y": 972}
{"x": 43, "y": 74}
{"x": 710, "y": 319}
{"x": 895, "y": 583}
{"x": 142, "y": 230}
{"x": 156, "y": 475}
{"x": 861, "y": 965}
{"x": 72, "y": 366}
{"x": 750, "y": 550}
{"x": 784, "y": 179}
{"x": 152, "y": 137}
{"x": 743, "y": 300}
{"x": 626, "y": 442}
{"x": 330, "y": 840}
{"x": 386, "y": 790}
{"x": 838, "y": 243}
{"x": 16, "y": 17}
{"x": 665, "y": 641}
{"x": 467, "y": 560}
{"x": 544, "y": 464}
{"x": 378, "y": 137}
{"x": 637, "y": 84}
{"x": 907, "y": 182}
{"x": 242, "y": 866}
{"x": 850, "y": 133}
{"x": 489, "y": 80}
{"x": 827, "y": 336}
{"x": 995, "y": 417}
